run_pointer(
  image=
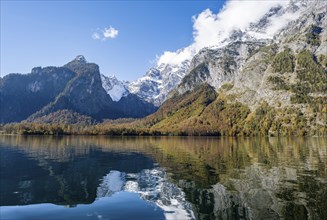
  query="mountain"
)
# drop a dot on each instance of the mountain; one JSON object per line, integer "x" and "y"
{"x": 179, "y": 114}
{"x": 225, "y": 62}
{"x": 268, "y": 78}
{"x": 77, "y": 87}
{"x": 218, "y": 65}
{"x": 23, "y": 94}
{"x": 233, "y": 48}
{"x": 155, "y": 85}
{"x": 126, "y": 101}
{"x": 272, "y": 86}
{"x": 244, "y": 62}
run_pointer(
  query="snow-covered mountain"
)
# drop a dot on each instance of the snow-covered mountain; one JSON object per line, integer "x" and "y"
{"x": 155, "y": 85}
{"x": 263, "y": 29}
{"x": 115, "y": 88}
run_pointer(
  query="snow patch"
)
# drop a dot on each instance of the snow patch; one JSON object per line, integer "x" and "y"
{"x": 117, "y": 92}
{"x": 115, "y": 88}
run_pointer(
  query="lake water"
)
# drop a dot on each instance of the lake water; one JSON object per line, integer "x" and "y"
{"x": 78, "y": 177}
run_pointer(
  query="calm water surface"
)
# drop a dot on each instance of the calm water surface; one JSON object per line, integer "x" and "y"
{"x": 162, "y": 178}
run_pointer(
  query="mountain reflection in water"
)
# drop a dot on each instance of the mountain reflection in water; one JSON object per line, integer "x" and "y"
{"x": 205, "y": 178}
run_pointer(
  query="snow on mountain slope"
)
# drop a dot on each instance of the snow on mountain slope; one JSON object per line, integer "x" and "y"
{"x": 115, "y": 88}
{"x": 154, "y": 86}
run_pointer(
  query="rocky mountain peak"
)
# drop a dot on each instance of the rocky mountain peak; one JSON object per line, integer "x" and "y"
{"x": 36, "y": 70}
{"x": 81, "y": 66}
{"x": 80, "y": 58}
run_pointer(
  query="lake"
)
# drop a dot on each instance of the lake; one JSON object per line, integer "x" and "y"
{"x": 77, "y": 177}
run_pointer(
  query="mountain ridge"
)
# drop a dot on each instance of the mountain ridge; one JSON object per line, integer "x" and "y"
{"x": 81, "y": 91}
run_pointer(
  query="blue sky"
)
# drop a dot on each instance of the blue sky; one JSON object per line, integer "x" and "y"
{"x": 44, "y": 33}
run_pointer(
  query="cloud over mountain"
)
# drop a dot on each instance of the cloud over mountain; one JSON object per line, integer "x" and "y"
{"x": 210, "y": 29}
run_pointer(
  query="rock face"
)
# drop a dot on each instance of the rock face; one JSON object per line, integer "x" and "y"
{"x": 218, "y": 66}
{"x": 77, "y": 86}
{"x": 22, "y": 95}
{"x": 258, "y": 77}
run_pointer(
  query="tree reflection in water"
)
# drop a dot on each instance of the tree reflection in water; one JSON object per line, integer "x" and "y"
{"x": 223, "y": 178}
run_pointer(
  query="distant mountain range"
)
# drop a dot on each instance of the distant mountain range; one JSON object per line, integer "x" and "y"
{"x": 77, "y": 86}
{"x": 269, "y": 78}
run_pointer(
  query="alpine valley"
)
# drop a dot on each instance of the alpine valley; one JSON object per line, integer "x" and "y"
{"x": 269, "y": 78}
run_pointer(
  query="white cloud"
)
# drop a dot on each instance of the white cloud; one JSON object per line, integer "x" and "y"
{"x": 105, "y": 34}
{"x": 96, "y": 36}
{"x": 210, "y": 29}
{"x": 175, "y": 58}
{"x": 278, "y": 23}
{"x": 110, "y": 32}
